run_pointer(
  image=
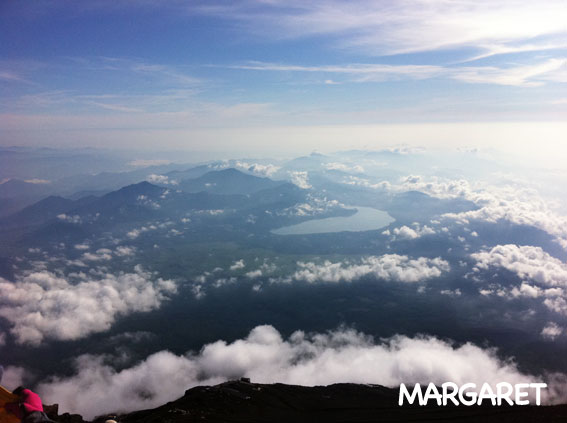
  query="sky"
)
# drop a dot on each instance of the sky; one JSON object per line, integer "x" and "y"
{"x": 272, "y": 76}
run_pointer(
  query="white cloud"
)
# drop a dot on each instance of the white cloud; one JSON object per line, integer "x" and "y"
{"x": 437, "y": 187}
{"x": 239, "y": 264}
{"x": 12, "y": 76}
{"x": 551, "y": 331}
{"x": 125, "y": 251}
{"x": 389, "y": 267}
{"x": 82, "y": 246}
{"x": 161, "y": 179}
{"x": 456, "y": 293}
{"x": 354, "y": 180}
{"x": 343, "y": 167}
{"x": 532, "y": 75}
{"x": 343, "y": 355}
{"x": 100, "y": 255}
{"x": 405, "y": 232}
{"x": 527, "y": 262}
{"x": 254, "y": 274}
{"x": 266, "y": 170}
{"x": 527, "y": 75}
{"x": 300, "y": 179}
{"x": 546, "y": 276}
{"x": 68, "y": 218}
{"x": 212, "y": 212}
{"x": 414, "y": 26}
{"x": 557, "y": 304}
{"x": 223, "y": 281}
{"x": 43, "y": 306}
{"x": 136, "y": 232}
{"x": 143, "y": 199}
{"x": 518, "y": 206}
{"x": 315, "y": 205}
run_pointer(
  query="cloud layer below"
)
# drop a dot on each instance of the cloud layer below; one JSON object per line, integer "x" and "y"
{"x": 343, "y": 355}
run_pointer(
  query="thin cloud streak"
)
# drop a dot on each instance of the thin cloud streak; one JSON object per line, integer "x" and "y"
{"x": 411, "y": 26}
{"x": 523, "y": 76}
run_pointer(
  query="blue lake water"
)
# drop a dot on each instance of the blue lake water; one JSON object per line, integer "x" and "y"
{"x": 365, "y": 219}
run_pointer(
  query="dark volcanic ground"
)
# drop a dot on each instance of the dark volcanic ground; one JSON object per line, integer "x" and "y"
{"x": 241, "y": 401}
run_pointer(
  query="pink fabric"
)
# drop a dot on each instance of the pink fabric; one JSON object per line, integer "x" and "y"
{"x": 30, "y": 401}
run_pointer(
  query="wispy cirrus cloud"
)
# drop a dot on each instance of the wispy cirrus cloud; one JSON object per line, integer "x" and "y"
{"x": 9, "y": 76}
{"x": 531, "y": 75}
{"x": 481, "y": 28}
{"x": 518, "y": 75}
{"x": 408, "y": 26}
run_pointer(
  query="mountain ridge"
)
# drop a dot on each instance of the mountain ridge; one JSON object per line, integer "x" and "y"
{"x": 244, "y": 401}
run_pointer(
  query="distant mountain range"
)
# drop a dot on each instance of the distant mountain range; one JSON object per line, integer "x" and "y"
{"x": 228, "y": 181}
{"x": 145, "y": 203}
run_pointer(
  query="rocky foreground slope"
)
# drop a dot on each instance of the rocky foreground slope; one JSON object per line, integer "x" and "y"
{"x": 242, "y": 401}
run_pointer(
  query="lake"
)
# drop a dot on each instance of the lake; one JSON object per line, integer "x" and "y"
{"x": 365, "y": 219}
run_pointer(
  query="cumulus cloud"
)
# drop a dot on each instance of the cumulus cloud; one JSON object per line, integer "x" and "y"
{"x": 100, "y": 255}
{"x": 532, "y": 212}
{"x": 68, "y": 218}
{"x": 136, "y": 232}
{"x": 343, "y": 167}
{"x": 254, "y": 274}
{"x": 455, "y": 293}
{"x": 389, "y": 267}
{"x": 518, "y": 206}
{"x": 42, "y": 305}
{"x": 405, "y": 232}
{"x": 544, "y": 276}
{"x": 125, "y": 251}
{"x": 526, "y": 261}
{"x": 239, "y": 264}
{"x": 551, "y": 331}
{"x": 161, "y": 179}
{"x": 343, "y": 355}
{"x": 316, "y": 205}
{"x": 300, "y": 178}
{"x": 260, "y": 169}
{"x": 144, "y": 200}
{"x": 363, "y": 182}
{"x": 266, "y": 170}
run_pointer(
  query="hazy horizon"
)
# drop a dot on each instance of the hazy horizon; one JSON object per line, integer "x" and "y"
{"x": 284, "y": 77}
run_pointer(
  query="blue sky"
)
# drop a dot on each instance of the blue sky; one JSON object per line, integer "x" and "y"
{"x": 270, "y": 76}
